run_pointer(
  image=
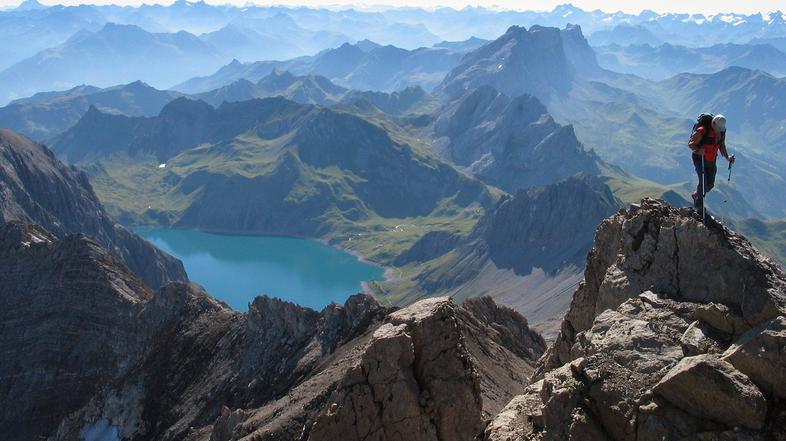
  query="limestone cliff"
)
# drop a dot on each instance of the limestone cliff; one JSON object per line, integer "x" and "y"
{"x": 677, "y": 332}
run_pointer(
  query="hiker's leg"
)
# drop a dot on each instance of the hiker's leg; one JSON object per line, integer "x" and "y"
{"x": 710, "y": 169}
{"x": 698, "y": 196}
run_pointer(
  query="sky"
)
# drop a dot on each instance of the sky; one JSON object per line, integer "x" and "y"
{"x": 708, "y": 7}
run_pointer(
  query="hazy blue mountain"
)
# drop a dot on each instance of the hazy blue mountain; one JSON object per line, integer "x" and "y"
{"x": 519, "y": 62}
{"x": 47, "y": 114}
{"x": 363, "y": 66}
{"x": 754, "y": 103}
{"x": 624, "y": 34}
{"x": 465, "y": 45}
{"x": 409, "y": 28}
{"x": 250, "y": 45}
{"x": 308, "y": 89}
{"x": 777, "y": 42}
{"x": 278, "y": 37}
{"x": 511, "y": 143}
{"x": 30, "y": 29}
{"x": 411, "y": 100}
{"x": 667, "y": 60}
{"x": 115, "y": 54}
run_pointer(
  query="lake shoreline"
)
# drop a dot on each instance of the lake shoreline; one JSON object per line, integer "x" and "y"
{"x": 386, "y": 273}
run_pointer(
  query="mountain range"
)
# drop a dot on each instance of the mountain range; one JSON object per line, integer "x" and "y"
{"x": 291, "y": 168}
{"x": 47, "y": 114}
{"x": 664, "y": 61}
{"x": 405, "y": 27}
{"x": 113, "y": 55}
{"x": 361, "y": 66}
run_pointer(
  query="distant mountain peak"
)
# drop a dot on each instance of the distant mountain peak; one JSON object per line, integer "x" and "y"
{"x": 30, "y": 5}
{"x": 367, "y": 45}
{"x": 520, "y": 61}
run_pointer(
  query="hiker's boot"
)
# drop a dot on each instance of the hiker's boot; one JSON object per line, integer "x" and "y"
{"x": 697, "y": 201}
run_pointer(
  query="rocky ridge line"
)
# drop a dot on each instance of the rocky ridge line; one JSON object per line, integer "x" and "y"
{"x": 87, "y": 346}
{"x": 678, "y": 332}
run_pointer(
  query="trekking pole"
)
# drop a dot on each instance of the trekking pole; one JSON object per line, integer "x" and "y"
{"x": 703, "y": 193}
{"x": 731, "y": 162}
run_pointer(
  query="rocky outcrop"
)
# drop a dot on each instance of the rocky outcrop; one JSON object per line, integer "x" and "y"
{"x": 88, "y": 348}
{"x": 668, "y": 337}
{"x": 36, "y": 187}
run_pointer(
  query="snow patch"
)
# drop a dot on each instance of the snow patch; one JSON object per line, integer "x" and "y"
{"x": 101, "y": 430}
{"x": 161, "y": 165}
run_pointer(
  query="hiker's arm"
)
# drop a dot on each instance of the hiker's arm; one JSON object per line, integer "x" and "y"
{"x": 695, "y": 142}
{"x": 723, "y": 150}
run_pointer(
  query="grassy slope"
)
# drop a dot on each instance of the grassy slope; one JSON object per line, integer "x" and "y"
{"x": 138, "y": 191}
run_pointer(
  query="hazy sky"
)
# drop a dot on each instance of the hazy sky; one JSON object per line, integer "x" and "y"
{"x": 704, "y": 6}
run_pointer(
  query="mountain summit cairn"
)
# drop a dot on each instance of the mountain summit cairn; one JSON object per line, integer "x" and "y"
{"x": 677, "y": 332}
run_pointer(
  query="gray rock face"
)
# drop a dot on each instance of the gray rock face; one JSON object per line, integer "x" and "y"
{"x": 520, "y": 61}
{"x": 669, "y": 337}
{"x": 68, "y": 323}
{"x": 86, "y": 343}
{"x": 512, "y": 143}
{"x": 36, "y": 187}
{"x": 709, "y": 388}
{"x": 761, "y": 355}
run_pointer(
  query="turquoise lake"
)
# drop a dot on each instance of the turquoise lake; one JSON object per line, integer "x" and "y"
{"x": 235, "y": 269}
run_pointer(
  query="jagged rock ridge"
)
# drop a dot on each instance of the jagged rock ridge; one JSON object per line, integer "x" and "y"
{"x": 512, "y": 143}
{"x": 36, "y": 187}
{"x": 676, "y": 333}
{"x": 87, "y": 345}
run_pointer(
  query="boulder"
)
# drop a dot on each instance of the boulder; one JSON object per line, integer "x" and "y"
{"x": 761, "y": 355}
{"x": 710, "y": 388}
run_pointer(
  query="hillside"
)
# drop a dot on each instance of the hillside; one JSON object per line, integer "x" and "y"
{"x": 38, "y": 188}
{"x": 527, "y": 252}
{"x": 663, "y": 61}
{"x": 307, "y": 89}
{"x": 511, "y": 143}
{"x": 270, "y": 166}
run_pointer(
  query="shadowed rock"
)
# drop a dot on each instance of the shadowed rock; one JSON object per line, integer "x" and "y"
{"x": 86, "y": 344}
{"x": 36, "y": 187}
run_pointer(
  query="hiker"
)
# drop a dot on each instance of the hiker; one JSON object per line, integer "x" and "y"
{"x": 709, "y": 137}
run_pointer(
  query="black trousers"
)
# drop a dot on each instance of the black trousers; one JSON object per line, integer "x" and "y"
{"x": 707, "y": 174}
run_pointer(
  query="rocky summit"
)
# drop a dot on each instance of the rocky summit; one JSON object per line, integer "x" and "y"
{"x": 88, "y": 348}
{"x": 677, "y": 332}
